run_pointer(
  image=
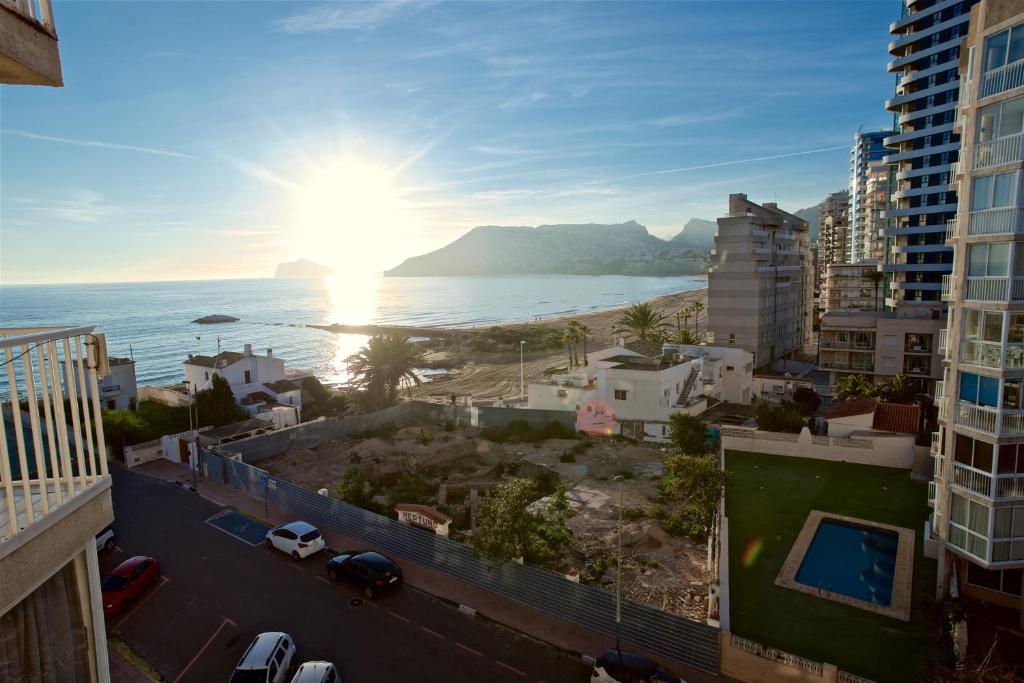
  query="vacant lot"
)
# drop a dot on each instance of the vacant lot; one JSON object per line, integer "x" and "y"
{"x": 767, "y": 503}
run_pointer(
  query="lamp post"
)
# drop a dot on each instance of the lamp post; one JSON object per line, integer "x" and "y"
{"x": 618, "y": 575}
{"x": 522, "y": 373}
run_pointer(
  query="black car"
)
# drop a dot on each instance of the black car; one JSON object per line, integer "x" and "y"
{"x": 372, "y": 571}
{"x": 630, "y": 668}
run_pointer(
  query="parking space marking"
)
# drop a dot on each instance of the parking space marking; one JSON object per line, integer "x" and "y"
{"x": 470, "y": 650}
{"x": 163, "y": 582}
{"x": 396, "y": 615}
{"x": 510, "y": 668}
{"x": 320, "y": 578}
{"x": 294, "y": 566}
{"x": 188, "y": 666}
{"x": 433, "y": 633}
{"x": 239, "y": 526}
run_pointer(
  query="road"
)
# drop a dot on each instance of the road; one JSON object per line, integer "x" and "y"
{"x": 217, "y": 593}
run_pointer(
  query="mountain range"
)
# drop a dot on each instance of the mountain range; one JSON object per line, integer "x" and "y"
{"x": 301, "y": 268}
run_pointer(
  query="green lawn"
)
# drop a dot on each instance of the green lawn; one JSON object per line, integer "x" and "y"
{"x": 870, "y": 645}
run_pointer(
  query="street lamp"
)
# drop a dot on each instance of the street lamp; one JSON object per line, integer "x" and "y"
{"x": 618, "y": 575}
{"x": 522, "y": 374}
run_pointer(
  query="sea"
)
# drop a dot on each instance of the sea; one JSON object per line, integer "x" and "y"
{"x": 152, "y": 321}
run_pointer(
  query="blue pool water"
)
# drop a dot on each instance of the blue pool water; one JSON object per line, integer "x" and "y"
{"x": 851, "y": 560}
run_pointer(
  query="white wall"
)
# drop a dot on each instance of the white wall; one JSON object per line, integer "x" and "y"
{"x": 844, "y": 426}
{"x": 164, "y": 396}
{"x": 646, "y": 397}
{"x": 883, "y": 451}
{"x": 262, "y": 370}
{"x": 557, "y": 397}
{"x": 119, "y": 387}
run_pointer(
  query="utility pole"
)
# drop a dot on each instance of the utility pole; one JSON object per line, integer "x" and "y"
{"x": 618, "y": 576}
{"x": 522, "y": 373}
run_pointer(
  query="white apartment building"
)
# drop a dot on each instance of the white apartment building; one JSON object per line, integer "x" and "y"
{"x": 118, "y": 390}
{"x": 978, "y": 485}
{"x": 848, "y": 286}
{"x": 866, "y": 169}
{"x": 258, "y": 382}
{"x": 642, "y": 382}
{"x": 55, "y": 500}
{"x": 760, "y": 284}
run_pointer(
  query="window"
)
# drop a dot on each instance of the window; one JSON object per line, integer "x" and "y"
{"x": 978, "y": 389}
{"x": 621, "y": 394}
{"x": 982, "y": 338}
{"x": 968, "y": 525}
{"x": 1011, "y": 459}
{"x": 973, "y": 452}
{"x": 1001, "y": 120}
{"x": 729, "y": 368}
{"x": 562, "y": 393}
{"x": 1009, "y": 523}
{"x": 732, "y": 337}
{"x": 248, "y": 377}
{"x": 991, "y": 259}
{"x": 1004, "y": 48}
{"x": 1004, "y": 581}
{"x": 993, "y": 191}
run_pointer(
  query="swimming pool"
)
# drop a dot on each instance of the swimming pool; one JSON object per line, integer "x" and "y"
{"x": 852, "y": 560}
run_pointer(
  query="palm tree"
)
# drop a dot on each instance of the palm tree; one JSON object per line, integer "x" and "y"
{"x": 643, "y": 321}
{"x": 899, "y": 390}
{"x": 383, "y": 365}
{"x": 876, "y": 277}
{"x": 568, "y": 340}
{"x": 698, "y": 308}
{"x": 579, "y": 331}
{"x": 853, "y": 387}
{"x": 685, "y": 337}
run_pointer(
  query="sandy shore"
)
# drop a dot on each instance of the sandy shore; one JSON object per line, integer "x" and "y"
{"x": 492, "y": 376}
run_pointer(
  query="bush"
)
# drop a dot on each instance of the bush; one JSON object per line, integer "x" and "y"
{"x": 806, "y": 400}
{"x": 633, "y": 514}
{"x": 781, "y": 418}
{"x": 521, "y": 431}
{"x": 568, "y": 456}
{"x": 689, "y": 435}
{"x": 424, "y": 437}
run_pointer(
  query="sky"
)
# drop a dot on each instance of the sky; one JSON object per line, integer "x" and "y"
{"x": 199, "y": 140}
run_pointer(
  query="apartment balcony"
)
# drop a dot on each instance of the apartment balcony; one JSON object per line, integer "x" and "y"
{"x": 1004, "y": 150}
{"x": 847, "y": 366}
{"x": 990, "y": 420}
{"x": 971, "y": 479}
{"x": 943, "y": 334}
{"x": 932, "y": 490}
{"x": 949, "y": 287}
{"x": 1009, "y": 486}
{"x": 29, "y": 53}
{"x": 1002, "y": 79}
{"x": 845, "y": 345}
{"x": 1003, "y": 221}
{"x": 936, "y": 445}
{"x": 951, "y": 227}
{"x": 997, "y": 289}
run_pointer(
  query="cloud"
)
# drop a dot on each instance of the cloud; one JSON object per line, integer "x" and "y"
{"x": 85, "y": 206}
{"x": 738, "y": 161}
{"x": 502, "y": 151}
{"x": 346, "y": 16}
{"x": 262, "y": 173}
{"x": 96, "y": 143}
{"x": 578, "y": 91}
{"x": 405, "y": 89}
{"x": 522, "y": 100}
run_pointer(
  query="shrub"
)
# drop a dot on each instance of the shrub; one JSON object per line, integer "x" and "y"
{"x": 781, "y": 418}
{"x": 568, "y": 456}
{"x": 521, "y": 431}
{"x": 632, "y": 514}
{"x": 424, "y": 437}
{"x": 806, "y": 400}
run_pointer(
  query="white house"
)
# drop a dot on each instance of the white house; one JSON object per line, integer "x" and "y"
{"x": 118, "y": 390}
{"x": 642, "y": 382}
{"x": 258, "y": 382}
{"x": 728, "y": 372}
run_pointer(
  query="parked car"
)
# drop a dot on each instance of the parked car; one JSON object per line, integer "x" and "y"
{"x": 626, "y": 667}
{"x": 317, "y": 672}
{"x": 106, "y": 540}
{"x": 128, "y": 581}
{"x": 372, "y": 571}
{"x": 268, "y": 659}
{"x": 298, "y": 539}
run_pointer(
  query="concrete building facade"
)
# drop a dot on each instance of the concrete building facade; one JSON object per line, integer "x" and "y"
{"x": 760, "y": 283}
{"x": 978, "y": 485}
{"x": 850, "y": 287}
{"x": 865, "y": 156}
{"x": 834, "y": 232}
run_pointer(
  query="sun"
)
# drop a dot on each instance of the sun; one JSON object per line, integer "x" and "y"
{"x": 349, "y": 215}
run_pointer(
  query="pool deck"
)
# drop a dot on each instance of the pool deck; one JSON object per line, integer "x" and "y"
{"x": 899, "y": 606}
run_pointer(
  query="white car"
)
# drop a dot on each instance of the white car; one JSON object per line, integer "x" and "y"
{"x": 317, "y": 672}
{"x": 105, "y": 539}
{"x": 268, "y": 659}
{"x": 298, "y": 539}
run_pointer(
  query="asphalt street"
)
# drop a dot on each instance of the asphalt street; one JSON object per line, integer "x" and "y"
{"x": 217, "y": 593}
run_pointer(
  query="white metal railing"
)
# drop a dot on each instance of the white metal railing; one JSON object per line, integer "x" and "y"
{"x": 940, "y": 390}
{"x": 1002, "y": 221}
{"x": 932, "y": 488}
{"x": 948, "y": 287}
{"x": 941, "y": 405}
{"x": 972, "y": 479}
{"x": 954, "y": 171}
{"x": 1002, "y": 79}
{"x": 776, "y": 655}
{"x": 51, "y": 407}
{"x": 937, "y": 462}
{"x": 998, "y": 288}
{"x": 936, "y": 441}
{"x": 951, "y": 226}
{"x": 942, "y": 341}
{"x": 1004, "y": 150}
{"x": 1010, "y": 486}
{"x": 991, "y": 420}
{"x": 40, "y": 11}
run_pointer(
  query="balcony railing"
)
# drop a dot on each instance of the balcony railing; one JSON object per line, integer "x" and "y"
{"x": 856, "y": 345}
{"x": 1005, "y": 150}
{"x": 990, "y": 420}
{"x": 1003, "y": 221}
{"x": 951, "y": 226}
{"x": 836, "y": 365}
{"x": 932, "y": 488}
{"x": 972, "y": 479}
{"x": 53, "y": 448}
{"x": 1002, "y": 79}
{"x": 40, "y": 11}
{"x": 942, "y": 341}
{"x": 1010, "y": 486}
{"x": 948, "y": 288}
{"x": 936, "y": 436}
{"x": 998, "y": 288}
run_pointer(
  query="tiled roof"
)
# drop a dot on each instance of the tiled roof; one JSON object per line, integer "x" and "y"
{"x": 897, "y": 417}
{"x": 235, "y": 428}
{"x": 283, "y": 385}
{"x": 862, "y": 406}
{"x": 644, "y": 348}
{"x": 229, "y": 357}
{"x": 426, "y": 511}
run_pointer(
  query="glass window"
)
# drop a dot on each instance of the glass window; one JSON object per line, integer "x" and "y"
{"x": 1011, "y": 394}
{"x": 988, "y": 391}
{"x": 958, "y": 509}
{"x": 963, "y": 448}
{"x": 1011, "y": 117}
{"x": 995, "y": 50}
{"x": 1012, "y": 581}
{"x": 1007, "y": 459}
{"x": 982, "y": 456}
{"x": 968, "y": 387}
{"x": 1015, "y": 335}
{"x": 993, "y": 191}
{"x": 977, "y": 518}
{"x": 993, "y": 327}
{"x": 971, "y": 319}
{"x": 989, "y": 259}
{"x": 1003, "y": 523}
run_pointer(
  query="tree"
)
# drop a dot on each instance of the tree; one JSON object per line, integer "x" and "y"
{"x": 354, "y": 487}
{"x": 410, "y": 488}
{"x": 643, "y": 321}
{"x": 216, "y": 405}
{"x": 122, "y": 428}
{"x": 381, "y": 367}
{"x": 505, "y": 523}
{"x": 898, "y": 390}
{"x": 781, "y": 418}
{"x": 318, "y": 400}
{"x": 549, "y": 534}
{"x": 853, "y": 387}
{"x": 875, "y": 277}
{"x": 689, "y": 435}
{"x": 579, "y": 331}
{"x": 693, "y": 487}
{"x": 684, "y": 336}
{"x": 807, "y": 400}
{"x": 567, "y": 342}
{"x": 698, "y": 308}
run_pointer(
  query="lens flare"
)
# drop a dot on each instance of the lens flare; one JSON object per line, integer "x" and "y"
{"x": 752, "y": 552}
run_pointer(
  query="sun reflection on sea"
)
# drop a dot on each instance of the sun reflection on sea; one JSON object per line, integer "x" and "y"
{"x": 353, "y": 298}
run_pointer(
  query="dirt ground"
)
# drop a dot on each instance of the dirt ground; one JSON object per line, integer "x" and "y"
{"x": 658, "y": 569}
{"x": 489, "y": 376}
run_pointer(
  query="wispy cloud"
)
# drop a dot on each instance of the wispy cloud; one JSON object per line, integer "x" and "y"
{"x": 734, "y": 162}
{"x": 85, "y": 206}
{"x": 348, "y": 16}
{"x": 261, "y": 173}
{"x": 502, "y": 151}
{"x": 520, "y": 101}
{"x": 405, "y": 89}
{"x": 578, "y": 91}
{"x": 96, "y": 143}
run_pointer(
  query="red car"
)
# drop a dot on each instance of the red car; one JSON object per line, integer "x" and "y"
{"x": 128, "y": 581}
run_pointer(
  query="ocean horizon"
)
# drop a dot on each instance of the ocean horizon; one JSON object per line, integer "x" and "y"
{"x": 151, "y": 321}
